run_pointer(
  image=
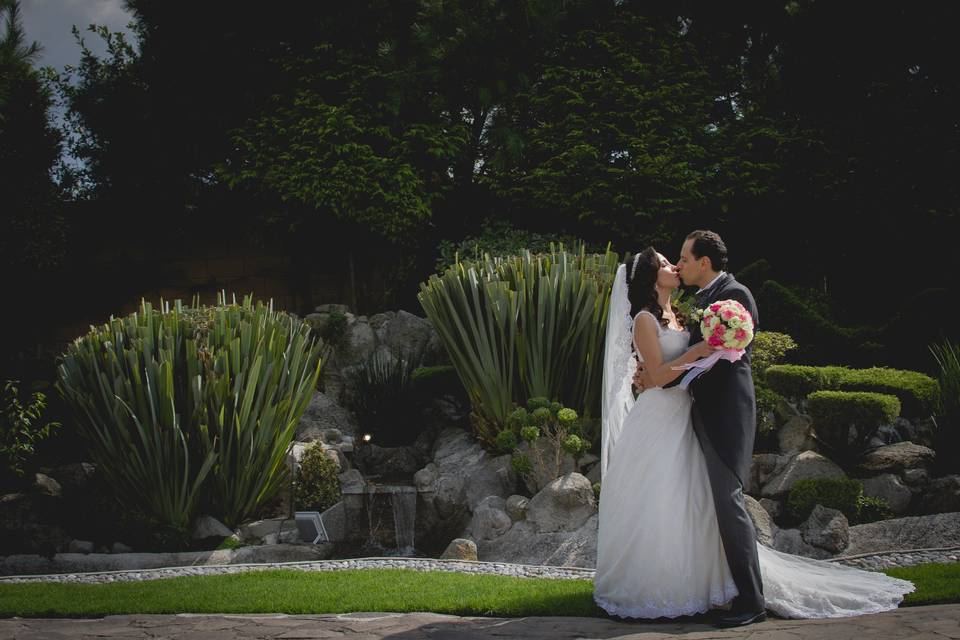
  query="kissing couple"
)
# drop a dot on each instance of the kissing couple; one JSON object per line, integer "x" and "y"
{"x": 674, "y": 537}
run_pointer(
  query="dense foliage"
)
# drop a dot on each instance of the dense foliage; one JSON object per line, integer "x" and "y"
{"x": 192, "y": 408}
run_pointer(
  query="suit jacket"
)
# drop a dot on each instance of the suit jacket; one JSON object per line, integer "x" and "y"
{"x": 725, "y": 396}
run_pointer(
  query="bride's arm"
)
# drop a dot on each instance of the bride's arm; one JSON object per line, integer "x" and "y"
{"x": 657, "y": 372}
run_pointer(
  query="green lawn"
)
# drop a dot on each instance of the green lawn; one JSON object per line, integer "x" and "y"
{"x": 286, "y": 591}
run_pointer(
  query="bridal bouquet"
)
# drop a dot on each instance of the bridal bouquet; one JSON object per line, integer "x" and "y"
{"x": 726, "y": 325}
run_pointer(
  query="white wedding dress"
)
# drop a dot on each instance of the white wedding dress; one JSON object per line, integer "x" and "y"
{"x": 659, "y": 552}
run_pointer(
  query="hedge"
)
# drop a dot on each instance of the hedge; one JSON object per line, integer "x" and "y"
{"x": 842, "y": 494}
{"x": 836, "y": 410}
{"x": 919, "y": 394}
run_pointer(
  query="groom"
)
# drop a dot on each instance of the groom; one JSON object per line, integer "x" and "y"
{"x": 724, "y": 419}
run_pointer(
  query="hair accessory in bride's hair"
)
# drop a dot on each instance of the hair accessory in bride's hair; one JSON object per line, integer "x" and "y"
{"x": 633, "y": 269}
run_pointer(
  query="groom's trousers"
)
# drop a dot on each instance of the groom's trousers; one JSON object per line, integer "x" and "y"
{"x": 736, "y": 527}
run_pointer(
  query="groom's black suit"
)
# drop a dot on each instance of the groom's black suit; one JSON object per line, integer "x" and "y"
{"x": 724, "y": 419}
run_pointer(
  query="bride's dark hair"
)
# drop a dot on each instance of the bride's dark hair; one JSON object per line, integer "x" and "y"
{"x": 642, "y": 285}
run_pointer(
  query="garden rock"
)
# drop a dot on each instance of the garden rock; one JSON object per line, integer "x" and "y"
{"x": 916, "y": 479}
{"x": 795, "y": 435}
{"x": 791, "y": 541}
{"x": 352, "y": 481}
{"x": 773, "y": 507}
{"x": 466, "y": 474}
{"x": 762, "y": 466}
{"x": 373, "y": 459}
{"x": 804, "y": 465}
{"x": 762, "y": 522}
{"x": 358, "y": 345}
{"x": 426, "y": 478}
{"x": 210, "y": 527}
{"x": 915, "y": 532}
{"x": 542, "y": 476}
{"x": 119, "y": 547}
{"x": 593, "y": 475}
{"x": 942, "y": 495}
{"x": 80, "y": 546}
{"x": 28, "y": 524}
{"x": 523, "y": 544}
{"x": 74, "y": 477}
{"x": 45, "y": 485}
{"x": 490, "y": 519}
{"x": 896, "y": 458}
{"x": 324, "y": 413}
{"x": 460, "y": 549}
{"x": 517, "y": 507}
{"x": 252, "y": 532}
{"x": 405, "y": 332}
{"x": 563, "y": 505}
{"x": 890, "y": 488}
{"x": 826, "y": 528}
{"x": 332, "y": 435}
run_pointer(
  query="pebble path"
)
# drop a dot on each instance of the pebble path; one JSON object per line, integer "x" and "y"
{"x": 870, "y": 562}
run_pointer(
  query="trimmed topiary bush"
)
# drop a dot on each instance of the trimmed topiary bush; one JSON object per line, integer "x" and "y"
{"x": 843, "y": 494}
{"x": 845, "y": 421}
{"x": 919, "y": 394}
{"x": 769, "y": 348}
{"x": 317, "y": 483}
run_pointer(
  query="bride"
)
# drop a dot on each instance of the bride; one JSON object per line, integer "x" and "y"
{"x": 659, "y": 552}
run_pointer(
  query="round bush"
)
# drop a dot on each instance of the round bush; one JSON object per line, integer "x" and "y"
{"x": 317, "y": 484}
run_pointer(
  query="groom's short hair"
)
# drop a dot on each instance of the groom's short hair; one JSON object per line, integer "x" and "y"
{"x": 709, "y": 244}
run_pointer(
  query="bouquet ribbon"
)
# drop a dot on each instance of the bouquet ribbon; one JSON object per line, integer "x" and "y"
{"x": 698, "y": 367}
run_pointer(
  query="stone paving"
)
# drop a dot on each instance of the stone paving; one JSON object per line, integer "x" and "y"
{"x": 936, "y": 622}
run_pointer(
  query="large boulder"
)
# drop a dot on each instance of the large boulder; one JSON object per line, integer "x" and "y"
{"x": 762, "y": 466}
{"x": 547, "y": 473}
{"x": 523, "y": 544}
{"x": 791, "y": 541}
{"x": 826, "y": 528}
{"x": 891, "y": 489}
{"x": 563, "y": 505}
{"x": 517, "y": 507}
{"x": 796, "y": 435}
{"x": 405, "y": 332}
{"x": 390, "y": 462}
{"x": 460, "y": 549}
{"x": 209, "y": 527}
{"x": 490, "y": 519}
{"x": 29, "y": 523}
{"x": 916, "y": 532}
{"x": 802, "y": 466}
{"x": 762, "y": 521}
{"x": 74, "y": 477}
{"x": 45, "y": 485}
{"x": 942, "y": 495}
{"x": 324, "y": 413}
{"x": 896, "y": 458}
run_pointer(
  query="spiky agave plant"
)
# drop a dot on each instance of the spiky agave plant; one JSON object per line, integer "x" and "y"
{"x": 194, "y": 406}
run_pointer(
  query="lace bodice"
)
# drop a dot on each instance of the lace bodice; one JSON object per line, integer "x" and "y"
{"x": 672, "y": 342}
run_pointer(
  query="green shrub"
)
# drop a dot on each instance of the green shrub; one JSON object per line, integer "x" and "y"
{"x": 506, "y": 441}
{"x": 766, "y": 404}
{"x": 498, "y": 238}
{"x": 842, "y": 494}
{"x": 919, "y": 394}
{"x": 845, "y": 421}
{"x": 530, "y": 433}
{"x": 20, "y": 428}
{"x": 523, "y": 326}
{"x": 521, "y": 464}
{"x": 872, "y": 509}
{"x": 596, "y": 491}
{"x": 317, "y": 483}
{"x": 334, "y": 329}
{"x": 755, "y": 274}
{"x": 381, "y": 395}
{"x": 195, "y": 406}
{"x": 819, "y": 339}
{"x": 769, "y": 348}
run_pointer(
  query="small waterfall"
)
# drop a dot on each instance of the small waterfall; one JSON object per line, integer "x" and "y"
{"x": 404, "y": 505}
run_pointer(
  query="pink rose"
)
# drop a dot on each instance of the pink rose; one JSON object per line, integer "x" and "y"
{"x": 740, "y": 335}
{"x": 715, "y": 307}
{"x": 726, "y": 314}
{"x": 715, "y": 341}
{"x": 719, "y": 330}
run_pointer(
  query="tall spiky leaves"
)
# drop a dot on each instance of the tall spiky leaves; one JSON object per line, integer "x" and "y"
{"x": 194, "y": 407}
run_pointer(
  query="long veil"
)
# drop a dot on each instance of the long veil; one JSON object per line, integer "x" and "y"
{"x": 618, "y": 368}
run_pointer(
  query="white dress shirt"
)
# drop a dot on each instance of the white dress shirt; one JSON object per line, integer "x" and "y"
{"x": 712, "y": 282}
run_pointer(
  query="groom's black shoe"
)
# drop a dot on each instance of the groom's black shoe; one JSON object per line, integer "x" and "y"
{"x": 740, "y": 619}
